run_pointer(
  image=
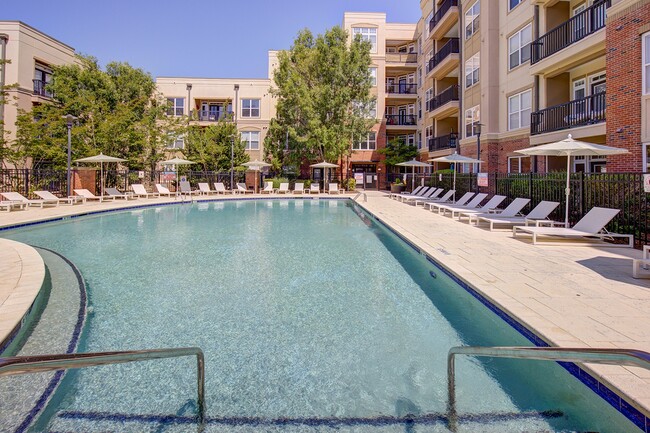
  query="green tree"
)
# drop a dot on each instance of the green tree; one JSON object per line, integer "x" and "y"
{"x": 119, "y": 113}
{"x": 322, "y": 85}
{"x": 211, "y": 146}
{"x": 398, "y": 150}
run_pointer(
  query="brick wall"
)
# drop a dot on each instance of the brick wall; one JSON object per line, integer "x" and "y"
{"x": 495, "y": 153}
{"x": 623, "y": 41}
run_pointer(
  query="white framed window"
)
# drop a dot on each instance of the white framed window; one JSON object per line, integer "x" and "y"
{"x": 177, "y": 143}
{"x": 420, "y": 45}
{"x": 646, "y": 157}
{"x": 251, "y": 139}
{"x": 513, "y": 4}
{"x": 646, "y": 63}
{"x": 427, "y": 64}
{"x": 372, "y": 111}
{"x": 419, "y": 108}
{"x": 472, "y": 19}
{"x": 367, "y": 34}
{"x": 373, "y": 76}
{"x": 519, "y": 47}
{"x": 369, "y": 142}
{"x": 519, "y": 106}
{"x": 472, "y": 119}
{"x": 426, "y": 24}
{"x": 368, "y": 111}
{"x": 428, "y": 135}
{"x": 176, "y": 106}
{"x": 419, "y": 138}
{"x": 515, "y": 164}
{"x": 250, "y": 108}
{"x": 472, "y": 70}
{"x": 419, "y": 76}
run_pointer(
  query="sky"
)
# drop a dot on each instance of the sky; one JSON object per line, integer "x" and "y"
{"x": 209, "y": 38}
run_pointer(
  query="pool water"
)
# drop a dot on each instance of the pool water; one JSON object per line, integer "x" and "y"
{"x": 311, "y": 318}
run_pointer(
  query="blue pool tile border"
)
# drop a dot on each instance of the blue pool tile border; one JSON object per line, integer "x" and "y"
{"x": 616, "y": 401}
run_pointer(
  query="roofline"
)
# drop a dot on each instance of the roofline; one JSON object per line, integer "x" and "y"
{"x": 21, "y": 23}
{"x": 213, "y": 78}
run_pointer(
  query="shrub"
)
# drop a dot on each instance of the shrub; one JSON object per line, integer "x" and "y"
{"x": 350, "y": 184}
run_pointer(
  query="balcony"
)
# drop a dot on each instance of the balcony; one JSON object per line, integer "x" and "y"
{"x": 402, "y": 59}
{"x": 401, "y": 120}
{"x": 212, "y": 116}
{"x": 445, "y": 102}
{"x": 443, "y": 62}
{"x": 39, "y": 89}
{"x": 580, "y": 112}
{"x": 574, "y": 30}
{"x": 444, "y": 19}
{"x": 402, "y": 88}
{"x": 443, "y": 142}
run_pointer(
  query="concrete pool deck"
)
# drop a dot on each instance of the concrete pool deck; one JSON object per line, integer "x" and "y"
{"x": 571, "y": 296}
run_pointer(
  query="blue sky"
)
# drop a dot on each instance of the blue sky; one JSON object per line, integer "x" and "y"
{"x": 209, "y": 38}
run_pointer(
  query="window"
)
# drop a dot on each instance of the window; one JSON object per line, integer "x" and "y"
{"x": 177, "y": 143}
{"x": 472, "y": 119}
{"x": 518, "y": 164}
{"x": 429, "y": 135}
{"x": 419, "y": 136}
{"x": 420, "y": 44}
{"x": 428, "y": 97}
{"x": 373, "y": 76}
{"x": 519, "y": 110}
{"x": 472, "y": 69}
{"x": 419, "y": 76}
{"x": 472, "y": 19}
{"x": 367, "y": 111}
{"x": 252, "y": 139}
{"x": 519, "y": 46}
{"x": 367, "y": 34}
{"x": 368, "y": 143}
{"x": 42, "y": 77}
{"x": 419, "y": 108}
{"x": 426, "y": 64}
{"x": 176, "y": 106}
{"x": 646, "y": 157}
{"x": 513, "y": 4}
{"x": 426, "y": 24}
{"x": 250, "y": 108}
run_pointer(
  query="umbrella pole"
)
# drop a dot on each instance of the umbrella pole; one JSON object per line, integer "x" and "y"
{"x": 413, "y": 179}
{"x": 101, "y": 179}
{"x": 454, "y": 187}
{"x": 567, "y": 190}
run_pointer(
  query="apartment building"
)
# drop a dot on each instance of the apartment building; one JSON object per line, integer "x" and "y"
{"x": 31, "y": 54}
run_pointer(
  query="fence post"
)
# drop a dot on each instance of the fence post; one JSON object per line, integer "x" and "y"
{"x": 530, "y": 186}
{"x": 26, "y": 182}
{"x": 582, "y": 193}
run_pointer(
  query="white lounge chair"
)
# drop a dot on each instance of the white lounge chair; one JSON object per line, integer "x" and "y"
{"x": 204, "y": 188}
{"x": 314, "y": 188}
{"x": 446, "y": 198}
{"x": 538, "y": 215}
{"x": 592, "y": 225}
{"x": 416, "y": 191}
{"x": 299, "y": 188}
{"x": 46, "y": 195}
{"x": 284, "y": 188}
{"x": 220, "y": 188}
{"x": 11, "y": 205}
{"x": 455, "y": 208}
{"x": 640, "y": 266}
{"x": 241, "y": 188}
{"x": 140, "y": 191}
{"x": 163, "y": 190}
{"x": 87, "y": 195}
{"x": 268, "y": 188}
{"x": 185, "y": 188}
{"x": 460, "y": 202}
{"x": 113, "y": 192}
{"x": 512, "y": 210}
{"x": 491, "y": 204}
{"x": 333, "y": 188}
{"x": 429, "y": 194}
{"x": 421, "y": 193}
{"x": 435, "y": 196}
{"x": 18, "y": 197}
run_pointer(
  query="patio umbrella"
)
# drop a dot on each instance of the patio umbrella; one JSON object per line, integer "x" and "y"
{"x": 324, "y": 165}
{"x": 413, "y": 163}
{"x": 455, "y": 158}
{"x": 101, "y": 158}
{"x": 256, "y": 166}
{"x": 570, "y": 147}
{"x": 177, "y": 161}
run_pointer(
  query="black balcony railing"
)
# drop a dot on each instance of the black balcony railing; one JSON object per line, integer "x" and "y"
{"x": 39, "y": 89}
{"x": 402, "y": 88}
{"x": 579, "y": 112}
{"x": 401, "y": 119}
{"x": 576, "y": 28}
{"x": 443, "y": 142}
{"x": 451, "y": 93}
{"x": 211, "y": 116}
{"x": 440, "y": 13}
{"x": 452, "y": 46}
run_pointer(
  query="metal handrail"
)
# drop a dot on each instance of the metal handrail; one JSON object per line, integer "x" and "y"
{"x": 37, "y": 364}
{"x": 359, "y": 194}
{"x": 636, "y": 358}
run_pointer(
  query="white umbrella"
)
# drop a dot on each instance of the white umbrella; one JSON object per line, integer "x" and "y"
{"x": 324, "y": 165}
{"x": 413, "y": 163}
{"x": 570, "y": 147}
{"x": 455, "y": 158}
{"x": 256, "y": 166}
{"x": 177, "y": 161}
{"x": 101, "y": 158}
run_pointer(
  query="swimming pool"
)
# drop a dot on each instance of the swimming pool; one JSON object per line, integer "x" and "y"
{"x": 306, "y": 312}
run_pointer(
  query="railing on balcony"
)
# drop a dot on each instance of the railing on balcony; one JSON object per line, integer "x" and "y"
{"x": 579, "y": 112}
{"x": 402, "y": 58}
{"x": 451, "y": 93}
{"x": 452, "y": 46}
{"x": 578, "y": 27}
{"x": 211, "y": 116}
{"x": 443, "y": 142}
{"x": 401, "y": 120}
{"x": 440, "y": 13}
{"x": 402, "y": 88}
{"x": 39, "y": 89}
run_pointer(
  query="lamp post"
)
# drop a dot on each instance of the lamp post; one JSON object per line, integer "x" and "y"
{"x": 477, "y": 128}
{"x": 232, "y": 143}
{"x": 69, "y": 122}
{"x": 189, "y": 99}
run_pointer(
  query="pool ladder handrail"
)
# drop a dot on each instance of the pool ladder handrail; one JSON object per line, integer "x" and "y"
{"x": 636, "y": 358}
{"x": 360, "y": 193}
{"x": 41, "y": 363}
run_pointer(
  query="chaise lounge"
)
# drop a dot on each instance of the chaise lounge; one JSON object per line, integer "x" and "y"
{"x": 537, "y": 216}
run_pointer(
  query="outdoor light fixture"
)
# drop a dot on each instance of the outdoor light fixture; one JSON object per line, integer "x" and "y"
{"x": 188, "y": 86}
{"x": 70, "y": 119}
{"x": 477, "y": 129}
